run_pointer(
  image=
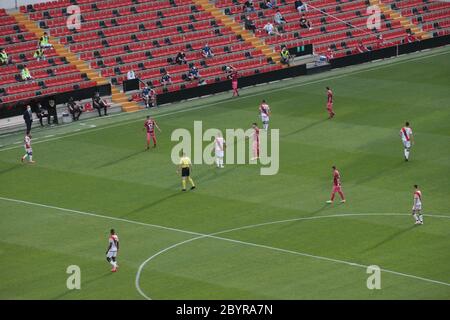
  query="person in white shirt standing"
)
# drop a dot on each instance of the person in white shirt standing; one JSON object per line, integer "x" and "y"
{"x": 417, "y": 205}
{"x": 113, "y": 249}
{"x": 264, "y": 111}
{"x": 220, "y": 145}
{"x": 28, "y": 149}
{"x": 407, "y": 138}
{"x": 131, "y": 75}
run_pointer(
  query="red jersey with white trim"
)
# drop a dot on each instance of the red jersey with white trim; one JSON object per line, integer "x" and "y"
{"x": 113, "y": 241}
{"x": 330, "y": 96}
{"x": 256, "y": 134}
{"x": 150, "y": 125}
{"x": 264, "y": 109}
{"x": 152, "y": 93}
{"x": 234, "y": 76}
{"x": 406, "y": 133}
{"x": 336, "y": 178}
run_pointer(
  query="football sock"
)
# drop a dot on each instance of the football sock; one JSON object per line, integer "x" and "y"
{"x": 30, "y": 158}
{"x": 342, "y": 195}
{"x": 415, "y": 217}
{"x": 191, "y": 182}
{"x": 218, "y": 162}
{"x": 406, "y": 153}
{"x": 420, "y": 217}
{"x": 183, "y": 183}
{"x": 332, "y": 196}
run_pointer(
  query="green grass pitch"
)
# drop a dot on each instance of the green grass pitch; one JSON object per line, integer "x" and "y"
{"x": 91, "y": 180}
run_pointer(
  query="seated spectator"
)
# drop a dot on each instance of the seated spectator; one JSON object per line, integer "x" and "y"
{"x": 207, "y": 52}
{"x": 39, "y": 54}
{"x": 270, "y": 29}
{"x": 329, "y": 55}
{"x": 74, "y": 109}
{"x": 99, "y": 104}
{"x": 25, "y": 74}
{"x": 166, "y": 79}
{"x": 280, "y": 21}
{"x": 193, "y": 74}
{"x": 43, "y": 41}
{"x": 380, "y": 41}
{"x": 248, "y": 24}
{"x": 360, "y": 47}
{"x": 131, "y": 75}
{"x": 323, "y": 58}
{"x": 248, "y": 6}
{"x": 149, "y": 97}
{"x": 4, "y": 58}
{"x": 285, "y": 56}
{"x": 305, "y": 24}
{"x": 268, "y": 5}
{"x": 229, "y": 70}
{"x": 409, "y": 38}
{"x": 300, "y": 6}
{"x": 52, "y": 112}
{"x": 180, "y": 58}
{"x": 42, "y": 113}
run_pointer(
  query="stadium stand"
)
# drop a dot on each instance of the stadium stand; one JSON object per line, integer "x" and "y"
{"x": 145, "y": 35}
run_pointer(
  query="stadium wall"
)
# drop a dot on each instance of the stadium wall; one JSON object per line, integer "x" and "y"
{"x": 390, "y": 51}
{"x": 15, "y": 109}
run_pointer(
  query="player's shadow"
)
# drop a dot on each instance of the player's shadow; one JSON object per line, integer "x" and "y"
{"x": 113, "y": 162}
{"x": 153, "y": 203}
{"x": 83, "y": 283}
{"x": 369, "y": 178}
{"x": 14, "y": 167}
{"x": 216, "y": 173}
{"x": 309, "y": 126}
{"x": 390, "y": 238}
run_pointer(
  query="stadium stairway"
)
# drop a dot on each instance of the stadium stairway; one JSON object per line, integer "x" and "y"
{"x": 404, "y": 21}
{"x": 117, "y": 96}
{"x": 239, "y": 30}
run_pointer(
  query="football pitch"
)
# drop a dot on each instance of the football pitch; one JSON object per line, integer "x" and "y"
{"x": 239, "y": 234}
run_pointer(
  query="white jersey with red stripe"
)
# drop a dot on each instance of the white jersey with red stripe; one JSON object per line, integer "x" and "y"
{"x": 264, "y": 110}
{"x": 113, "y": 241}
{"x": 417, "y": 197}
{"x": 27, "y": 144}
{"x": 220, "y": 141}
{"x": 405, "y": 134}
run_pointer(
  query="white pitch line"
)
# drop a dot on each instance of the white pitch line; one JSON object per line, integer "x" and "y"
{"x": 214, "y": 236}
{"x": 348, "y": 73}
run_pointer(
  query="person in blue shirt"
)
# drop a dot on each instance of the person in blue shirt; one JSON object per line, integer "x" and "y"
{"x": 166, "y": 79}
{"x": 207, "y": 52}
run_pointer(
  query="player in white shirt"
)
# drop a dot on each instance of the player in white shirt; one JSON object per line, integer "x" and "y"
{"x": 28, "y": 149}
{"x": 220, "y": 145}
{"x": 407, "y": 138}
{"x": 113, "y": 249}
{"x": 264, "y": 110}
{"x": 417, "y": 205}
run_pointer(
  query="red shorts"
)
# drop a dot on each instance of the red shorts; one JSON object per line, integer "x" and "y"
{"x": 330, "y": 105}
{"x": 337, "y": 189}
{"x": 235, "y": 85}
{"x": 150, "y": 134}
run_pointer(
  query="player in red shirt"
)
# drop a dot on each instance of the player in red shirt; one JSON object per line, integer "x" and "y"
{"x": 255, "y": 141}
{"x": 149, "y": 126}
{"x": 233, "y": 75}
{"x": 330, "y": 103}
{"x": 336, "y": 186}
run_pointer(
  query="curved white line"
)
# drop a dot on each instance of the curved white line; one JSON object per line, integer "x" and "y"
{"x": 214, "y": 236}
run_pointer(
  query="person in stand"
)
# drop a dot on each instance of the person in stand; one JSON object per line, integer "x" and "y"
{"x": 42, "y": 113}
{"x": 52, "y": 112}
{"x": 4, "y": 58}
{"x": 44, "y": 41}
{"x": 285, "y": 56}
{"x": 39, "y": 54}
{"x": 74, "y": 109}
{"x": 180, "y": 58}
{"x": 99, "y": 104}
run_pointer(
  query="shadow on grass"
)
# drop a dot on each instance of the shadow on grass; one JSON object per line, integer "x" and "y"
{"x": 309, "y": 126}
{"x": 14, "y": 167}
{"x": 113, "y": 162}
{"x": 390, "y": 238}
{"x": 154, "y": 203}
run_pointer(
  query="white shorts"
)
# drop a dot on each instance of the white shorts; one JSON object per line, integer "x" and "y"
{"x": 407, "y": 144}
{"x": 417, "y": 207}
{"x": 111, "y": 254}
{"x": 219, "y": 153}
{"x": 264, "y": 118}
